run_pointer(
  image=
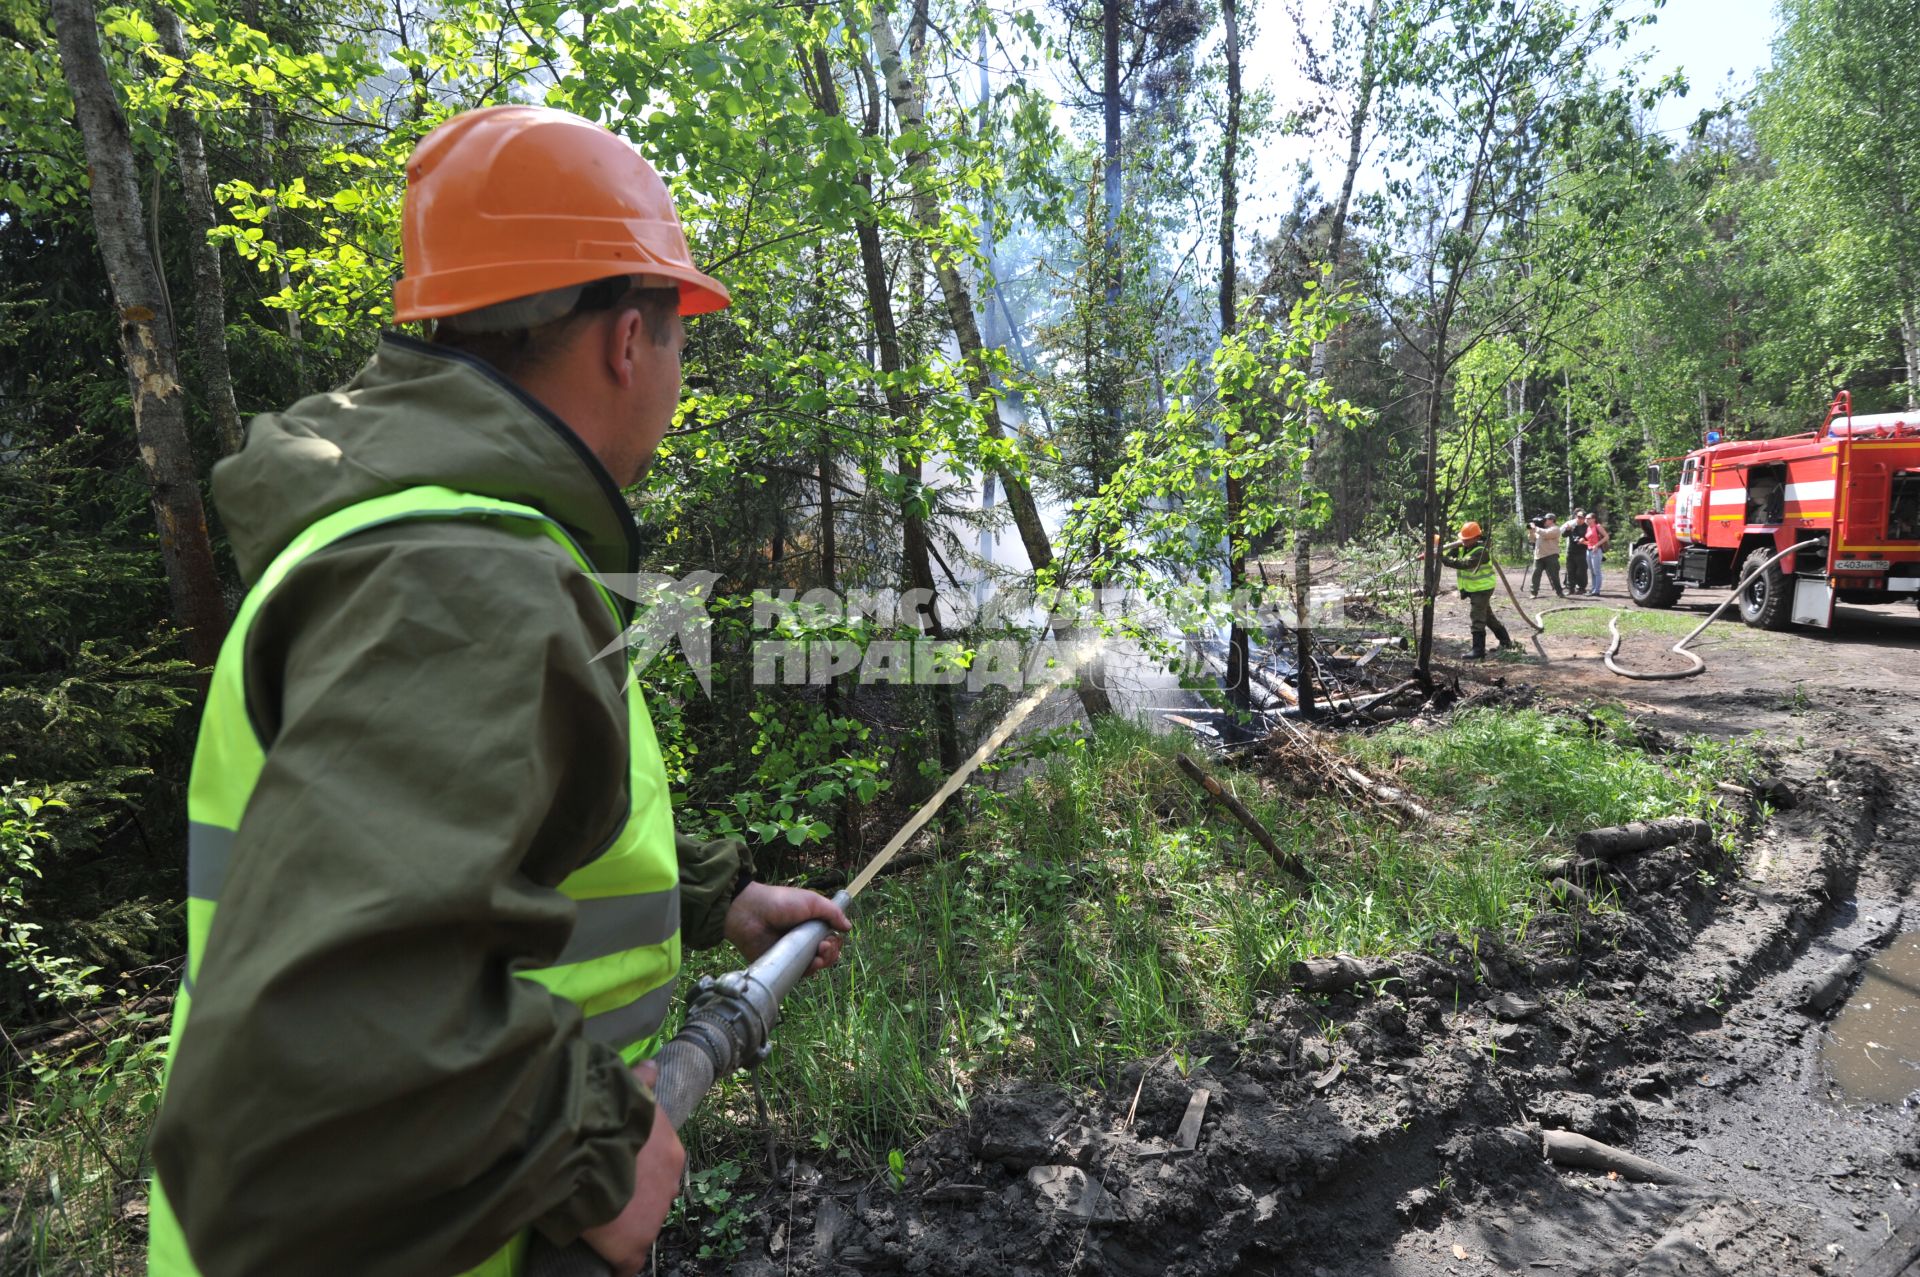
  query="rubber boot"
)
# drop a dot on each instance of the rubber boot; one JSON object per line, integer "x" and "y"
{"x": 1479, "y": 652}
{"x": 1506, "y": 639}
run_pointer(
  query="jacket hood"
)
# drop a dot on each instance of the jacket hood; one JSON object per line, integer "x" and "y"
{"x": 416, "y": 414}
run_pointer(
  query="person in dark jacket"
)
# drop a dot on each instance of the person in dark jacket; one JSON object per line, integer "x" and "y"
{"x": 1473, "y": 565}
{"x": 1574, "y": 533}
{"x": 427, "y": 798}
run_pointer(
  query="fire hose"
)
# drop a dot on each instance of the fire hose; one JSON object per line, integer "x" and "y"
{"x": 731, "y": 1018}
{"x": 1679, "y": 649}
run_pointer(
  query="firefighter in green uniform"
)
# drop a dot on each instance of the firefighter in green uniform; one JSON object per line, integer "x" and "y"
{"x": 436, "y": 905}
{"x": 1475, "y": 576}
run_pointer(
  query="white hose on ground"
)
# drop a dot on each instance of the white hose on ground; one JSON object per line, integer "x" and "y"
{"x": 1678, "y": 649}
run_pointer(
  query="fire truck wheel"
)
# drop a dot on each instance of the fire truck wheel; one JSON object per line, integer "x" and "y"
{"x": 1766, "y": 601}
{"x": 1649, "y": 584}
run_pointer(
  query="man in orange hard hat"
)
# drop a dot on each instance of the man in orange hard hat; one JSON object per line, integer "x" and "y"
{"x": 1473, "y": 567}
{"x": 436, "y": 906}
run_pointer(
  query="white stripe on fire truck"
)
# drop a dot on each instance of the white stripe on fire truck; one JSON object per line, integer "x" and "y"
{"x": 1727, "y": 496}
{"x": 1816, "y": 490}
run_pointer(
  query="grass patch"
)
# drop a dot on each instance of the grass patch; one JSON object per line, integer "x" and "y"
{"x": 1591, "y": 622}
{"x": 73, "y": 1170}
{"x": 1101, "y": 914}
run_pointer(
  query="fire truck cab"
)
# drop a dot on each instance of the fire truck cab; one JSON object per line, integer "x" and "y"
{"x": 1843, "y": 499}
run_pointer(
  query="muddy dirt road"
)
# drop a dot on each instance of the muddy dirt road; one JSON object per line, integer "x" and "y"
{"x": 1714, "y": 1025}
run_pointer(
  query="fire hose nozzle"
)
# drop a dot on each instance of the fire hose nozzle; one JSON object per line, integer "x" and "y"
{"x": 730, "y": 1023}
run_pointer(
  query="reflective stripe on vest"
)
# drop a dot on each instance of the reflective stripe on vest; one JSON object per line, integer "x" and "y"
{"x": 620, "y": 963}
{"x": 1475, "y": 580}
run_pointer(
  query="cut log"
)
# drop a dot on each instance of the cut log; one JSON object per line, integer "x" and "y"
{"x": 1564, "y": 1148}
{"x": 1642, "y": 835}
{"x": 1278, "y": 686}
{"x": 1193, "y": 725}
{"x": 1239, "y": 812}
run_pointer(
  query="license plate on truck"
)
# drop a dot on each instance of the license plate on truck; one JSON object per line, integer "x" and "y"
{"x": 1862, "y": 565}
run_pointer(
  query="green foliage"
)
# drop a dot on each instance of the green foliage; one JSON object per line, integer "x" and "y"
{"x": 53, "y": 977}
{"x": 712, "y": 1213}
{"x": 1839, "y": 115}
{"x": 1245, "y": 414}
{"x": 1570, "y": 294}
{"x": 73, "y": 1131}
{"x": 809, "y": 766}
{"x": 1102, "y": 912}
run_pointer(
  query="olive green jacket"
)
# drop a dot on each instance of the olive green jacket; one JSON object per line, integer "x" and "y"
{"x": 1469, "y": 557}
{"x": 367, "y": 1087}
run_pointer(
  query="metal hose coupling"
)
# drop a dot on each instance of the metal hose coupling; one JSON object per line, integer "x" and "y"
{"x": 732, "y": 1017}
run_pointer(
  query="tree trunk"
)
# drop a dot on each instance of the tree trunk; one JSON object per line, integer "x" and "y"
{"x": 910, "y": 106}
{"x": 1239, "y": 645}
{"x": 915, "y": 546}
{"x": 1110, "y": 109}
{"x": 1910, "y": 344}
{"x": 146, "y": 342}
{"x": 209, "y": 289}
{"x": 276, "y": 230}
{"x": 1517, "y": 414}
{"x": 1430, "y": 496}
{"x": 1317, "y": 362}
{"x": 1566, "y": 407}
{"x": 1438, "y": 365}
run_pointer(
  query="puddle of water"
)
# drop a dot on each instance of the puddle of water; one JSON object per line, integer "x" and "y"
{"x": 1873, "y": 1049}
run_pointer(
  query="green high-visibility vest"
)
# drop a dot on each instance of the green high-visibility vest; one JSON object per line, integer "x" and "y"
{"x": 1476, "y": 580}
{"x": 619, "y": 965}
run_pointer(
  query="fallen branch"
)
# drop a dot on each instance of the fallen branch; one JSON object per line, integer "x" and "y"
{"x": 1238, "y": 810}
{"x": 1564, "y": 1148}
{"x": 1642, "y": 835}
{"x": 1384, "y": 793}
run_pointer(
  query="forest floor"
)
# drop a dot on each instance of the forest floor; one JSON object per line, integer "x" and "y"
{"x": 1706, "y": 1022}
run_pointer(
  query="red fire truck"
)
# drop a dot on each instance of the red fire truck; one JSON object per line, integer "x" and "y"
{"x": 1849, "y": 493}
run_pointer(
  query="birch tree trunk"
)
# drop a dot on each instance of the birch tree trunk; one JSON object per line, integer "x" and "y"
{"x": 915, "y": 545}
{"x": 146, "y": 342}
{"x": 1910, "y": 343}
{"x": 1239, "y": 644}
{"x": 910, "y": 106}
{"x": 209, "y": 288}
{"x": 1317, "y": 362}
{"x": 1517, "y": 413}
{"x": 1566, "y": 409}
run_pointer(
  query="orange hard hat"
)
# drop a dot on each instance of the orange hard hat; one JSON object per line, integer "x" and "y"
{"x": 510, "y": 201}
{"x": 1469, "y": 531}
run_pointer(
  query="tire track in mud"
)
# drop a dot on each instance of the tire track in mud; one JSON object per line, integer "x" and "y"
{"x": 1407, "y": 1143}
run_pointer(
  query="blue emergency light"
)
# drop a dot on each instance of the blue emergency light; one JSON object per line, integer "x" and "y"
{"x": 1713, "y": 436}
